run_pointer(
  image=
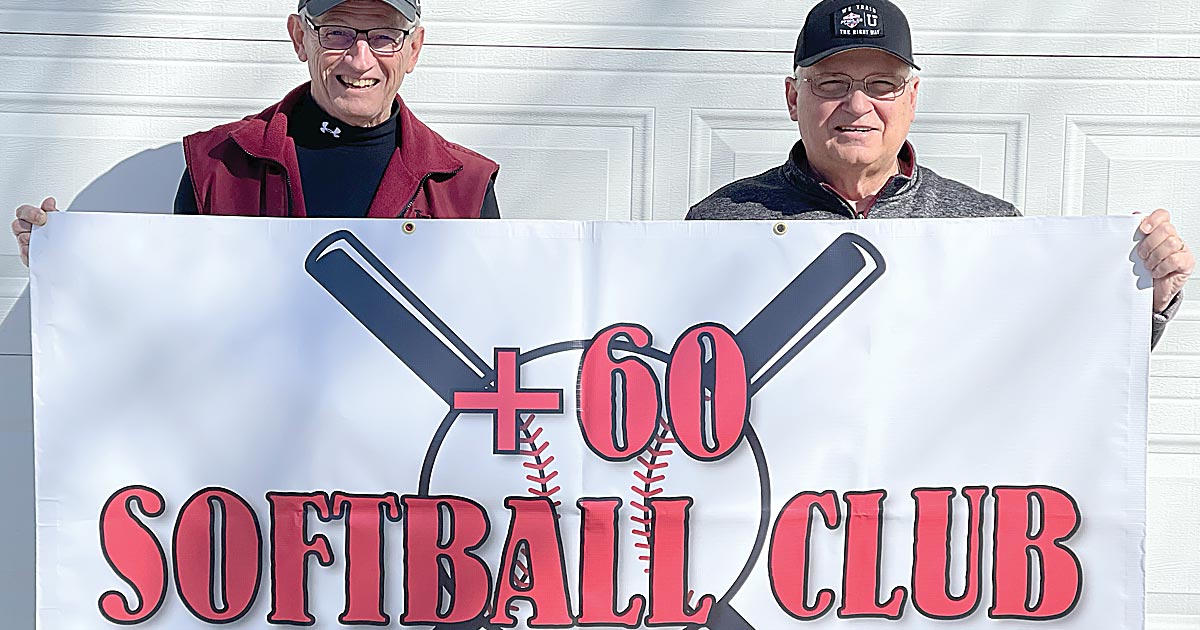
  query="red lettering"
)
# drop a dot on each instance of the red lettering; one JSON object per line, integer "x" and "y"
{"x": 534, "y": 539}
{"x": 931, "y": 553}
{"x": 860, "y": 574}
{"x": 134, "y": 553}
{"x": 507, "y": 401}
{"x": 291, "y": 547}
{"x": 598, "y": 567}
{"x": 365, "y": 516}
{"x": 788, "y": 555}
{"x": 431, "y": 539}
{"x": 618, "y": 398}
{"x": 1034, "y": 521}
{"x": 217, "y": 584}
{"x": 669, "y": 564}
{"x": 707, "y": 400}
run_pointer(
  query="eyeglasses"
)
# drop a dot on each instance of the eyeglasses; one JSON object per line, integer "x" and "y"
{"x": 884, "y": 87}
{"x": 335, "y": 37}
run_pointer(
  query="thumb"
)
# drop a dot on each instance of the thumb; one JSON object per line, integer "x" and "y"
{"x": 50, "y": 204}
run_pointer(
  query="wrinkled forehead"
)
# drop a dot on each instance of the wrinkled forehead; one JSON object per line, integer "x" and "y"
{"x": 366, "y": 13}
{"x": 859, "y": 62}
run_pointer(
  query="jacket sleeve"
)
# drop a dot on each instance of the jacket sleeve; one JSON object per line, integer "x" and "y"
{"x": 1159, "y": 322}
{"x": 185, "y": 197}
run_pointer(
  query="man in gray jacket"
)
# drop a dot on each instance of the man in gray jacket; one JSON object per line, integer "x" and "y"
{"x": 854, "y": 95}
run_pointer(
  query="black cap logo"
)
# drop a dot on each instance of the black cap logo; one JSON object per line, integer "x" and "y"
{"x": 857, "y": 20}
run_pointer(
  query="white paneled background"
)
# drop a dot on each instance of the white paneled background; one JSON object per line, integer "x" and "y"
{"x": 630, "y": 109}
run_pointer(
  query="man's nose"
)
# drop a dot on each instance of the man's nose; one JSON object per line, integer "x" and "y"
{"x": 857, "y": 102}
{"x": 359, "y": 55}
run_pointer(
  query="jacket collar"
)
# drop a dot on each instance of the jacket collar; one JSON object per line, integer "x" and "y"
{"x": 420, "y": 154}
{"x": 800, "y": 174}
{"x": 265, "y": 137}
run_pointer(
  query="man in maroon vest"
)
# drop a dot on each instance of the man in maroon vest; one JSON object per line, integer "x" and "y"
{"x": 342, "y": 145}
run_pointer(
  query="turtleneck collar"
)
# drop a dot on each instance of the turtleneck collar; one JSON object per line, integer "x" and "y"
{"x": 312, "y": 128}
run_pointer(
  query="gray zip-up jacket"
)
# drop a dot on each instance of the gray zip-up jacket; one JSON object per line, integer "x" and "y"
{"x": 790, "y": 192}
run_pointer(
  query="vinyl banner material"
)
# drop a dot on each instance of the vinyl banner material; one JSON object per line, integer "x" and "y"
{"x": 488, "y": 424}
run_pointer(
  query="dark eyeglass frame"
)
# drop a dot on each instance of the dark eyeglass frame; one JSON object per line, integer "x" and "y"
{"x": 322, "y": 31}
{"x": 864, "y": 82}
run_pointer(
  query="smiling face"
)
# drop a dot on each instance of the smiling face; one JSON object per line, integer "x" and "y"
{"x": 854, "y": 133}
{"x": 357, "y": 85}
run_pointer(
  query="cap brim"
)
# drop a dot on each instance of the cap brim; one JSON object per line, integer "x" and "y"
{"x": 319, "y": 7}
{"x": 808, "y": 61}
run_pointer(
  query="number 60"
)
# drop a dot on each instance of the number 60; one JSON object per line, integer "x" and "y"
{"x": 707, "y": 401}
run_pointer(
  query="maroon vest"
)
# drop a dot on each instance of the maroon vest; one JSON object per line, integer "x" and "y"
{"x": 249, "y": 168}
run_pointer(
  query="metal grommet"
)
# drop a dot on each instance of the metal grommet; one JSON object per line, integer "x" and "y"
{"x": 780, "y": 229}
{"x": 409, "y": 227}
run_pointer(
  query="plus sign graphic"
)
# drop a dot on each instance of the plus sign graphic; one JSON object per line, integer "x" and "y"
{"x": 411, "y": 330}
{"x": 507, "y": 400}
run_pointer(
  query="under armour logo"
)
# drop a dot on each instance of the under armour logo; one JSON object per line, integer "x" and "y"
{"x": 336, "y": 132}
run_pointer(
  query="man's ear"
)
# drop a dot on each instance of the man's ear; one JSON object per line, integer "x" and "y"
{"x": 792, "y": 92}
{"x": 416, "y": 39}
{"x": 296, "y": 33}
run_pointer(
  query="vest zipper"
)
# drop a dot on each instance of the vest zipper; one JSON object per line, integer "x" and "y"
{"x": 420, "y": 185}
{"x": 287, "y": 179}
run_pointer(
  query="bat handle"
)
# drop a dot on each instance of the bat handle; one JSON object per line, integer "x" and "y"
{"x": 378, "y": 299}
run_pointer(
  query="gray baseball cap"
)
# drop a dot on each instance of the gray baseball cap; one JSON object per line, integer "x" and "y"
{"x": 410, "y": 9}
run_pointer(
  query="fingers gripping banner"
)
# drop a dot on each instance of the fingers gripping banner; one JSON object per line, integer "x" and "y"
{"x": 478, "y": 425}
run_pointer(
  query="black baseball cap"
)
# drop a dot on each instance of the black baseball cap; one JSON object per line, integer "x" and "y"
{"x": 836, "y": 25}
{"x": 410, "y": 9}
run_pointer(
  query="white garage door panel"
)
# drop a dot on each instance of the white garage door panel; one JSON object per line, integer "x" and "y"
{"x": 598, "y": 158}
{"x": 76, "y": 160}
{"x": 1176, "y": 417}
{"x": 1171, "y": 622}
{"x": 12, "y": 282}
{"x": 1185, "y": 333}
{"x": 1133, "y": 162}
{"x": 1173, "y": 518}
{"x": 1021, "y": 27}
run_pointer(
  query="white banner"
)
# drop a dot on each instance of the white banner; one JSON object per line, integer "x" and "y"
{"x": 490, "y": 424}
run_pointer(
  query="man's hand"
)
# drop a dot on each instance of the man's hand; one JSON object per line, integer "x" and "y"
{"x": 1166, "y": 256}
{"x": 27, "y": 217}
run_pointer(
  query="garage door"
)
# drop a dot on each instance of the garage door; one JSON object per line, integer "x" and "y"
{"x": 632, "y": 109}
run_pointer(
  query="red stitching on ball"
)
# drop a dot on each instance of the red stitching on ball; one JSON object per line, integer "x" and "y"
{"x": 539, "y": 466}
{"x": 530, "y": 436}
{"x": 648, "y": 478}
{"x": 521, "y": 570}
{"x": 531, "y": 447}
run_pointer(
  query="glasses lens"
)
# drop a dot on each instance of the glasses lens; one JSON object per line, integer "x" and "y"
{"x": 883, "y": 86}
{"x": 336, "y": 37}
{"x": 830, "y": 85}
{"x": 385, "y": 39}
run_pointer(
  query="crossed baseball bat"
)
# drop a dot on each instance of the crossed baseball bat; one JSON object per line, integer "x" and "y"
{"x": 411, "y": 330}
